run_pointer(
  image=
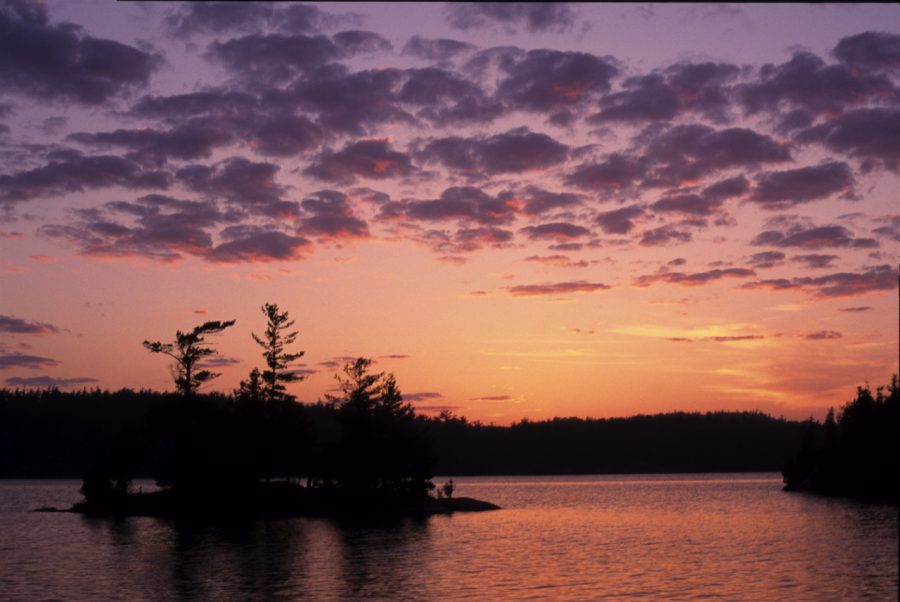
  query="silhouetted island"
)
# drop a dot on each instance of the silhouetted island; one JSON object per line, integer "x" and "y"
{"x": 855, "y": 454}
{"x": 278, "y": 499}
{"x": 252, "y": 455}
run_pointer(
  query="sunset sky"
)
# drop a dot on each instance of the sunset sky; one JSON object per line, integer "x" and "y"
{"x": 521, "y": 210}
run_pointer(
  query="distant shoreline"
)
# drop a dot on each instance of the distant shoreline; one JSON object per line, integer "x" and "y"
{"x": 465, "y": 475}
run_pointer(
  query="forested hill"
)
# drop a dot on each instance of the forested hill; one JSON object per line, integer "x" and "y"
{"x": 675, "y": 442}
{"x": 57, "y": 434}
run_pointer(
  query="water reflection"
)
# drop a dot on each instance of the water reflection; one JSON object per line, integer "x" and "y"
{"x": 389, "y": 571}
{"x": 276, "y": 559}
{"x": 256, "y": 559}
{"x": 736, "y": 538}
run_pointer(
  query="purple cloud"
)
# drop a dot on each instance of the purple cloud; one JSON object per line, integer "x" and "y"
{"x": 516, "y": 151}
{"x": 49, "y": 382}
{"x": 421, "y": 396}
{"x": 283, "y": 135}
{"x": 695, "y": 279}
{"x": 615, "y": 173}
{"x": 646, "y": 98}
{"x": 439, "y": 50}
{"x": 464, "y": 203}
{"x": 700, "y": 87}
{"x": 470, "y": 239}
{"x": 333, "y": 94}
{"x": 816, "y": 237}
{"x": 766, "y": 259}
{"x": 363, "y": 159}
{"x": 535, "y": 200}
{"x": 59, "y": 62}
{"x": 619, "y": 221}
{"x": 690, "y": 204}
{"x": 196, "y": 138}
{"x": 71, "y": 171}
{"x": 164, "y": 229}
{"x": 560, "y": 261}
{"x": 556, "y": 288}
{"x": 823, "y": 335}
{"x": 244, "y": 244}
{"x": 248, "y": 185}
{"x": 841, "y": 284}
{"x": 270, "y": 59}
{"x": 331, "y": 216}
{"x": 192, "y": 104}
{"x": 720, "y": 339}
{"x": 19, "y": 360}
{"x": 807, "y": 82}
{"x": 558, "y": 231}
{"x": 785, "y": 189}
{"x": 219, "y": 17}
{"x": 690, "y": 152}
{"x": 664, "y": 235}
{"x": 13, "y": 325}
{"x": 870, "y": 50}
{"x": 548, "y": 81}
{"x": 219, "y": 362}
{"x": 355, "y": 41}
{"x": 869, "y": 133}
{"x": 815, "y": 261}
{"x": 726, "y": 189}
{"x": 536, "y": 17}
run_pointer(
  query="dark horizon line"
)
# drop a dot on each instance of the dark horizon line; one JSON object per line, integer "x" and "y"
{"x": 427, "y": 414}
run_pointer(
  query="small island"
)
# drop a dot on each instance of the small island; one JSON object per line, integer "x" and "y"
{"x": 281, "y": 499}
{"x": 258, "y": 454}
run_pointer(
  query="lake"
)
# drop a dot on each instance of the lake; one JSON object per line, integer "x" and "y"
{"x": 652, "y": 537}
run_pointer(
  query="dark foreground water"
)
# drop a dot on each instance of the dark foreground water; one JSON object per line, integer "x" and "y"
{"x": 666, "y": 537}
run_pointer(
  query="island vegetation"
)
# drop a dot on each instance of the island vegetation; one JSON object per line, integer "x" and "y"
{"x": 257, "y": 451}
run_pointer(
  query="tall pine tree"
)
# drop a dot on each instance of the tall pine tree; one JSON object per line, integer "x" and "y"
{"x": 274, "y": 343}
{"x": 189, "y": 351}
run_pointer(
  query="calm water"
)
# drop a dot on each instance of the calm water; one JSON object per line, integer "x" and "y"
{"x": 684, "y": 537}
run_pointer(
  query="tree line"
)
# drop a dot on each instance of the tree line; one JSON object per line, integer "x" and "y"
{"x": 366, "y": 438}
{"x": 856, "y": 451}
{"x": 52, "y": 433}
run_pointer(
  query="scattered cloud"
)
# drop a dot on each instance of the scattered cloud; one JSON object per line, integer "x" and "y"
{"x": 20, "y": 360}
{"x": 515, "y": 151}
{"x": 785, "y": 189}
{"x": 49, "y": 382}
{"x": 13, "y": 325}
{"x": 557, "y": 231}
{"x": 766, "y": 259}
{"x": 556, "y": 288}
{"x": 840, "y": 284}
{"x": 60, "y": 62}
{"x": 421, "y": 396}
{"x": 815, "y": 261}
{"x": 362, "y": 159}
{"x": 695, "y": 279}
{"x": 560, "y": 261}
{"x": 71, "y": 171}
{"x": 823, "y": 335}
{"x": 536, "y": 17}
{"x": 619, "y": 221}
{"x": 816, "y": 237}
